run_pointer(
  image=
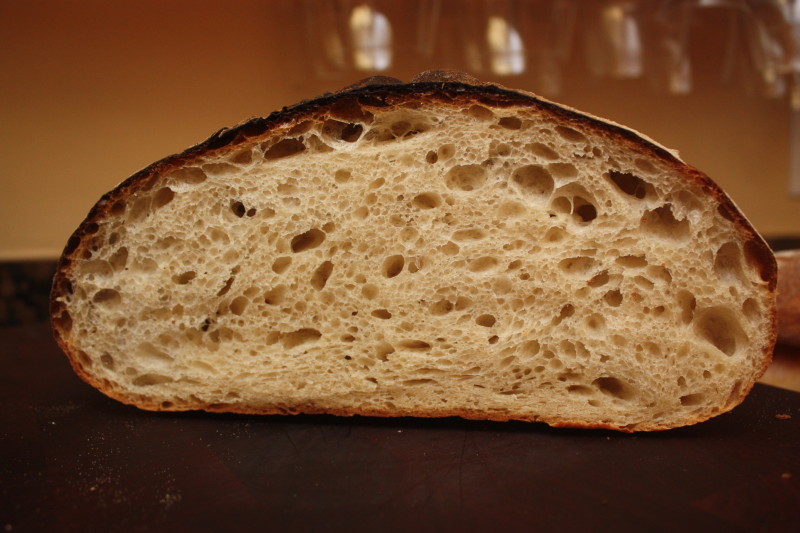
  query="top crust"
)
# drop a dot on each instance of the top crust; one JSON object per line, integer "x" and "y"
{"x": 352, "y": 104}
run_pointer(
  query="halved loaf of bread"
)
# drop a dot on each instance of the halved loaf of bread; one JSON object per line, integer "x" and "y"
{"x": 788, "y": 302}
{"x": 437, "y": 248}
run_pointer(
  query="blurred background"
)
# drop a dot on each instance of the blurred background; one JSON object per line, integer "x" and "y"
{"x": 93, "y": 90}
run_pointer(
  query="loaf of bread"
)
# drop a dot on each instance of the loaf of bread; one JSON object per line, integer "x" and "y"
{"x": 788, "y": 296}
{"x": 435, "y": 248}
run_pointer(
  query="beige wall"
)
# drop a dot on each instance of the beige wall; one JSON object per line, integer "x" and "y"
{"x": 94, "y": 90}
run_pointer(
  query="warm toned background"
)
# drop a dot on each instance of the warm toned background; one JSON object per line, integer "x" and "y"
{"x": 94, "y": 90}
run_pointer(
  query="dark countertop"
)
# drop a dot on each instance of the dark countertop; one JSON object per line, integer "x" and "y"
{"x": 74, "y": 460}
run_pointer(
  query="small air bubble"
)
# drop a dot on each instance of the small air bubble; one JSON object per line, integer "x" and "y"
{"x": 393, "y": 266}
{"x": 238, "y": 208}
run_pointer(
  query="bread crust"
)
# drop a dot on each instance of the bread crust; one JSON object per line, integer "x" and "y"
{"x": 431, "y": 87}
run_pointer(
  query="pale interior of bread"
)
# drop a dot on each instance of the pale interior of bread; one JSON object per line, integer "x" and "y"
{"x": 437, "y": 260}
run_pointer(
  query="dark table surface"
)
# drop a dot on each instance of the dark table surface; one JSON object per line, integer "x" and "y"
{"x": 74, "y": 460}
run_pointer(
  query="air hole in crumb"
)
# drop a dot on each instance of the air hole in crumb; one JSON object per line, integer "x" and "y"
{"x": 632, "y": 185}
{"x": 238, "y": 208}
{"x": 361, "y": 212}
{"x": 480, "y": 112}
{"x": 162, "y": 197}
{"x": 465, "y": 177}
{"x": 300, "y": 337}
{"x": 184, "y": 278}
{"x": 566, "y": 312}
{"x": 584, "y": 209}
{"x": 720, "y": 327}
{"x": 226, "y": 287}
{"x": 118, "y": 208}
{"x": 728, "y": 262}
{"x": 577, "y": 266}
{"x": 109, "y": 297}
{"x": 533, "y": 180}
{"x": 563, "y": 171}
{"x": 499, "y": 150}
{"x": 613, "y": 298}
{"x": 687, "y": 304}
{"x": 321, "y": 275}
{"x": 570, "y": 134}
{"x": 662, "y": 223}
{"x": 145, "y": 380}
{"x": 754, "y": 255}
{"x": 543, "y": 151}
{"x": 750, "y": 308}
{"x": 493, "y": 339}
{"x": 462, "y": 303}
{"x": 692, "y": 399}
{"x": 108, "y": 361}
{"x": 486, "y": 320}
{"x": 446, "y": 151}
{"x": 555, "y": 234}
{"x": 284, "y": 148}
{"x": 482, "y": 264}
{"x": 382, "y": 314}
{"x": 613, "y": 387}
{"x": 307, "y": 241}
{"x": 530, "y": 348}
{"x": 369, "y": 291}
{"x": 392, "y": 266}
{"x": 383, "y": 350}
{"x": 342, "y": 176}
{"x": 427, "y": 200}
{"x": 432, "y": 157}
{"x": 660, "y": 273}
{"x": 581, "y": 390}
{"x": 280, "y": 264}
{"x": 188, "y": 176}
{"x": 596, "y": 322}
{"x": 414, "y": 345}
{"x": 239, "y": 305}
{"x": 342, "y": 131}
{"x": 632, "y": 261}
{"x": 442, "y": 307}
{"x": 472, "y": 234}
{"x": 511, "y": 123}
{"x": 276, "y": 295}
{"x": 598, "y": 280}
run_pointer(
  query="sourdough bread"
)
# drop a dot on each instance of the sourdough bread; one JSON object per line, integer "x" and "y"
{"x": 437, "y": 248}
{"x": 788, "y": 302}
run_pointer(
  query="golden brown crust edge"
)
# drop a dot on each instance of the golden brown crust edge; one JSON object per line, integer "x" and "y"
{"x": 447, "y": 87}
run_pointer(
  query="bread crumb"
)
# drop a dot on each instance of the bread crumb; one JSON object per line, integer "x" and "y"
{"x": 783, "y": 416}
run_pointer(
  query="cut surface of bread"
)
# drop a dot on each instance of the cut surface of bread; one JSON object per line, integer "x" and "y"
{"x": 437, "y": 248}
